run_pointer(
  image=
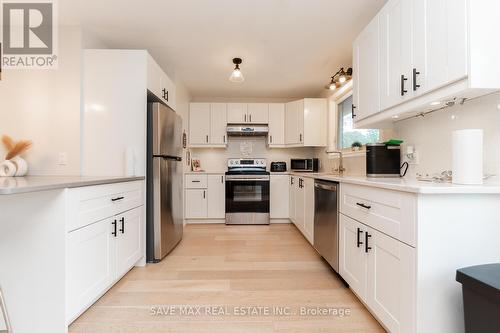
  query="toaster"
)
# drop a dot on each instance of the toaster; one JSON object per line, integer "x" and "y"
{"x": 278, "y": 166}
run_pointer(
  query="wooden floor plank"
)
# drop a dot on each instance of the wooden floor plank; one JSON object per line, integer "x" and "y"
{"x": 230, "y": 267}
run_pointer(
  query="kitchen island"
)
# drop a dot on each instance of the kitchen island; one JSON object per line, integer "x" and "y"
{"x": 38, "y": 215}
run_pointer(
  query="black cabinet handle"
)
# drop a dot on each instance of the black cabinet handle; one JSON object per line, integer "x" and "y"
{"x": 222, "y": 179}
{"x": 245, "y": 118}
{"x": 403, "y": 90}
{"x": 363, "y": 205}
{"x": 415, "y": 85}
{"x": 352, "y": 109}
{"x": 206, "y": 138}
{"x": 204, "y": 194}
{"x": 250, "y": 118}
{"x": 122, "y": 220}
{"x": 224, "y": 138}
{"x": 359, "y": 243}
{"x": 300, "y": 136}
{"x": 114, "y": 228}
{"x": 271, "y": 139}
{"x": 165, "y": 94}
{"x": 117, "y": 199}
{"x": 291, "y": 180}
{"x": 367, "y": 237}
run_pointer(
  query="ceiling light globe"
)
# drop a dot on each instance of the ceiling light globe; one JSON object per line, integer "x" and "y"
{"x": 236, "y": 76}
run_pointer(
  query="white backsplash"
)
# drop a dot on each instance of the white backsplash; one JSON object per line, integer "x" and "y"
{"x": 215, "y": 159}
{"x": 431, "y": 135}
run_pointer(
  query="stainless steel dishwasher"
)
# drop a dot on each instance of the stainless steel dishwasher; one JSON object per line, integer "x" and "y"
{"x": 326, "y": 221}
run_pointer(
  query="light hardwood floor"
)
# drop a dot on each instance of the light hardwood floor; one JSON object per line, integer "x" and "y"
{"x": 231, "y": 268}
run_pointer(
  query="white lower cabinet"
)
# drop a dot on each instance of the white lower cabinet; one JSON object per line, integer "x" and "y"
{"x": 104, "y": 243}
{"x": 205, "y": 196}
{"x": 128, "y": 240}
{"x": 391, "y": 287}
{"x": 381, "y": 271}
{"x": 309, "y": 209}
{"x": 216, "y": 197}
{"x": 291, "y": 203}
{"x": 91, "y": 267}
{"x": 353, "y": 264}
{"x": 196, "y": 203}
{"x": 302, "y": 205}
{"x": 279, "y": 197}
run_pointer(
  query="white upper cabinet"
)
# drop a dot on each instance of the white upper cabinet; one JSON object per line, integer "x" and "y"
{"x": 159, "y": 83}
{"x": 258, "y": 113}
{"x": 218, "y": 123}
{"x": 306, "y": 123}
{"x": 251, "y": 113}
{"x": 395, "y": 52}
{"x": 207, "y": 125}
{"x": 429, "y": 51}
{"x": 237, "y": 113}
{"x": 276, "y": 137}
{"x": 440, "y": 43}
{"x": 366, "y": 91}
{"x": 199, "y": 124}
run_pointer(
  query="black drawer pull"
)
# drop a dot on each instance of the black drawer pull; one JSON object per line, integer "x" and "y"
{"x": 403, "y": 90}
{"x": 114, "y": 228}
{"x": 117, "y": 199}
{"x": 122, "y": 220}
{"x": 363, "y": 205}
{"x": 195, "y": 181}
{"x": 415, "y": 85}
{"x": 359, "y": 243}
{"x": 367, "y": 237}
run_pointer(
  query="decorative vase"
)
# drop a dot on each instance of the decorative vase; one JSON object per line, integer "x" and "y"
{"x": 21, "y": 165}
{"x": 7, "y": 169}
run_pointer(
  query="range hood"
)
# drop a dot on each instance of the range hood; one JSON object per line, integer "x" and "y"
{"x": 245, "y": 130}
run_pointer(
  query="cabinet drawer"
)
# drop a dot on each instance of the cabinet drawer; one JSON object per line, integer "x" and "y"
{"x": 390, "y": 212}
{"x": 90, "y": 204}
{"x": 196, "y": 181}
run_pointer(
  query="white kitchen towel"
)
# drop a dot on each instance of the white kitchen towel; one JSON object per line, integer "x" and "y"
{"x": 7, "y": 169}
{"x": 467, "y": 163}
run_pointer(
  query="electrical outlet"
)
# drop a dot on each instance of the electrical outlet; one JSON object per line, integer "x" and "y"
{"x": 62, "y": 159}
{"x": 413, "y": 158}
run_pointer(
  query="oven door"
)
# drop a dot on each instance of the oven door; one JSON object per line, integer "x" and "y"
{"x": 247, "y": 199}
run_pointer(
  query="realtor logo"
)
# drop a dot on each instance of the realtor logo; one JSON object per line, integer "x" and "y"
{"x": 29, "y": 37}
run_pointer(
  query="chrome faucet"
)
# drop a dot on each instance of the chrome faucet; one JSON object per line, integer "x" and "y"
{"x": 340, "y": 170}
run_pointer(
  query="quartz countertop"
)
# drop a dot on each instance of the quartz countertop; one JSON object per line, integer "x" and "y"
{"x": 16, "y": 185}
{"x": 406, "y": 184}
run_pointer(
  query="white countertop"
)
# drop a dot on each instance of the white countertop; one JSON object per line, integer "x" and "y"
{"x": 407, "y": 184}
{"x": 16, "y": 185}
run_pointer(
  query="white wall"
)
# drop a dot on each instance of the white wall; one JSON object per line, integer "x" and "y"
{"x": 44, "y": 106}
{"x": 431, "y": 135}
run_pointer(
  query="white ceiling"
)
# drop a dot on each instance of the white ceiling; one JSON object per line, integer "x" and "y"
{"x": 290, "y": 48}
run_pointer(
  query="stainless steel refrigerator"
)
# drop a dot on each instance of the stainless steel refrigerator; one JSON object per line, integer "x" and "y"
{"x": 164, "y": 181}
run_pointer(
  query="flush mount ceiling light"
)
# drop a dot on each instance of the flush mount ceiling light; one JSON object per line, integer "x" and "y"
{"x": 236, "y": 75}
{"x": 339, "y": 79}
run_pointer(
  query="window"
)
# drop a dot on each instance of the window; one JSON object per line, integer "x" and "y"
{"x": 347, "y": 135}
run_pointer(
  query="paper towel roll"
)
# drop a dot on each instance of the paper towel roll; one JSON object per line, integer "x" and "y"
{"x": 467, "y": 161}
{"x": 7, "y": 169}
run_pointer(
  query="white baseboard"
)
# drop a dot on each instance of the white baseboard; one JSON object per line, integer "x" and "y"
{"x": 280, "y": 221}
{"x": 206, "y": 221}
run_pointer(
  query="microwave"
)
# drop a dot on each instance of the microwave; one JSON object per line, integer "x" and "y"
{"x": 304, "y": 164}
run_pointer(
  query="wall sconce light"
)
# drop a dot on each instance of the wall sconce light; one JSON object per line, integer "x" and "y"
{"x": 339, "y": 78}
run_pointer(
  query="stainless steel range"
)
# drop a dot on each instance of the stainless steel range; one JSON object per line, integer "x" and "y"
{"x": 247, "y": 191}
